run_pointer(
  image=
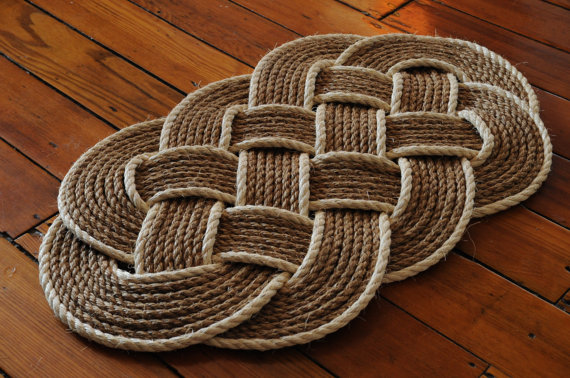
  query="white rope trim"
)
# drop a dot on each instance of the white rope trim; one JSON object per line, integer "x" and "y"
{"x": 340, "y": 321}
{"x": 452, "y": 240}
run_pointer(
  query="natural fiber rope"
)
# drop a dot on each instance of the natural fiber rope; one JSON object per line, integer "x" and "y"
{"x": 266, "y": 210}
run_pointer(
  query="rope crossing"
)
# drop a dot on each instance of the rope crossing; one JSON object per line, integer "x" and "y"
{"x": 266, "y": 210}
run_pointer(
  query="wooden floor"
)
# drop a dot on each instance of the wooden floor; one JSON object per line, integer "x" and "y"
{"x": 73, "y": 72}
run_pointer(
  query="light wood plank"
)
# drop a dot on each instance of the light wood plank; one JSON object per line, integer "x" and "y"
{"x": 544, "y": 66}
{"x": 34, "y": 343}
{"x": 523, "y": 246}
{"x": 488, "y": 315}
{"x": 27, "y": 193}
{"x": 151, "y": 43}
{"x": 97, "y": 78}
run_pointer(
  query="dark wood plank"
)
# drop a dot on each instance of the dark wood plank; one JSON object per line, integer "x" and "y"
{"x": 561, "y": 3}
{"x": 386, "y": 341}
{"x": 544, "y": 66}
{"x": 551, "y": 200}
{"x": 538, "y": 20}
{"x": 523, "y": 246}
{"x": 488, "y": 315}
{"x": 97, "y": 78}
{"x": 28, "y": 194}
{"x": 151, "y": 43}
{"x": 493, "y": 372}
{"x": 320, "y": 17}
{"x": 46, "y": 126}
{"x": 227, "y": 26}
{"x": 376, "y": 9}
{"x": 34, "y": 343}
{"x": 555, "y": 113}
{"x": 203, "y": 361}
{"x": 564, "y": 302}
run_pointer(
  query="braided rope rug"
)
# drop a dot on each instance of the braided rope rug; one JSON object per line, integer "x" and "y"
{"x": 266, "y": 210}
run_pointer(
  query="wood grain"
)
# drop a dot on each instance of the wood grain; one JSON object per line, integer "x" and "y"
{"x": 47, "y": 127}
{"x": 32, "y": 239}
{"x": 231, "y": 28}
{"x": 92, "y": 75}
{"x": 318, "y": 17}
{"x": 489, "y": 316}
{"x": 544, "y": 66}
{"x": 523, "y": 246}
{"x": 386, "y": 341}
{"x": 534, "y": 19}
{"x": 151, "y": 43}
{"x": 34, "y": 343}
{"x": 493, "y": 372}
{"x": 374, "y": 8}
{"x": 555, "y": 113}
{"x": 551, "y": 200}
{"x": 564, "y": 302}
{"x": 204, "y": 361}
{"x": 25, "y": 199}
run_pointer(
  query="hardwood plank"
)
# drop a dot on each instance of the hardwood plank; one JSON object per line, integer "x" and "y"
{"x": 204, "y": 361}
{"x": 493, "y": 372}
{"x": 535, "y": 19}
{"x": 153, "y": 44}
{"x": 35, "y": 343}
{"x": 488, "y": 315}
{"x": 561, "y": 3}
{"x": 386, "y": 341}
{"x": 551, "y": 200}
{"x": 376, "y": 9}
{"x": 544, "y": 66}
{"x": 318, "y": 17}
{"x": 27, "y": 193}
{"x": 94, "y": 76}
{"x": 523, "y": 246}
{"x": 44, "y": 125}
{"x": 555, "y": 111}
{"x": 32, "y": 239}
{"x": 227, "y": 26}
{"x": 564, "y": 302}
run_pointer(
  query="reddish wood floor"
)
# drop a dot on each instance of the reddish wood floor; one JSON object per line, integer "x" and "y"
{"x": 73, "y": 72}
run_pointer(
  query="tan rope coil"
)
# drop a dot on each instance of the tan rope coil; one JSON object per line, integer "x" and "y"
{"x": 266, "y": 210}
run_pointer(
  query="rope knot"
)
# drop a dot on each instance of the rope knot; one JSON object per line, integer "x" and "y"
{"x": 266, "y": 210}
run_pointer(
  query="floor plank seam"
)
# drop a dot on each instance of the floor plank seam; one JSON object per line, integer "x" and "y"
{"x": 76, "y": 30}
{"x": 431, "y": 328}
{"x": 500, "y": 26}
{"x": 66, "y": 96}
{"x": 493, "y": 270}
{"x": 190, "y": 34}
{"x": 13, "y": 242}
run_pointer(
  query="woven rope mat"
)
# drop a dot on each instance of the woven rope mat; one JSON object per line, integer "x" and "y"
{"x": 266, "y": 210}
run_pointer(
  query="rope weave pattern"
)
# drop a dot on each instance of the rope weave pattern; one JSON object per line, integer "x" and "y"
{"x": 266, "y": 210}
